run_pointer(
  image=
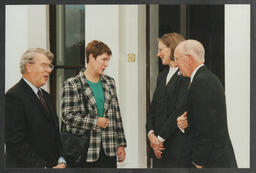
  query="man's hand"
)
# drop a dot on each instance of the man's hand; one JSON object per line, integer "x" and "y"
{"x": 156, "y": 145}
{"x": 102, "y": 122}
{"x": 182, "y": 121}
{"x": 60, "y": 165}
{"x": 198, "y": 166}
{"x": 120, "y": 154}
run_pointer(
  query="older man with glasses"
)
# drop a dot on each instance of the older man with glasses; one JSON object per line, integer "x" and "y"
{"x": 31, "y": 124}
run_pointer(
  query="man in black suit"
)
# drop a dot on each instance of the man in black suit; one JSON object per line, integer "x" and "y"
{"x": 31, "y": 124}
{"x": 208, "y": 131}
{"x": 168, "y": 143}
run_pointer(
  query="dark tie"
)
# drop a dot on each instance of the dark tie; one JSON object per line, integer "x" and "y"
{"x": 189, "y": 84}
{"x": 42, "y": 100}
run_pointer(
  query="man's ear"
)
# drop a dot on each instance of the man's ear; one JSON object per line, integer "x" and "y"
{"x": 28, "y": 67}
{"x": 190, "y": 59}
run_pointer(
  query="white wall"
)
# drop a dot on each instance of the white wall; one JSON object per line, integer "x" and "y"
{"x": 141, "y": 51}
{"x": 237, "y": 79}
{"x": 102, "y": 23}
{"x": 122, "y": 28}
{"x": 133, "y": 82}
{"x": 26, "y": 27}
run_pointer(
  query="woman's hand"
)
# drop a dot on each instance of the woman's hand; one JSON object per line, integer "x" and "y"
{"x": 120, "y": 154}
{"x": 156, "y": 145}
{"x": 102, "y": 122}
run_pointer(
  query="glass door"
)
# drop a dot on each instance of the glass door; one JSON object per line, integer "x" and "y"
{"x": 67, "y": 40}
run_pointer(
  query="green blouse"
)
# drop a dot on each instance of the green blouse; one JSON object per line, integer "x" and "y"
{"x": 98, "y": 95}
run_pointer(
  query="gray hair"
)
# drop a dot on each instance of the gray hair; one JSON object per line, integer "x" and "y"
{"x": 194, "y": 48}
{"x": 29, "y": 55}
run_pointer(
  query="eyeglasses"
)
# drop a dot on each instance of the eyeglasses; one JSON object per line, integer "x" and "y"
{"x": 45, "y": 66}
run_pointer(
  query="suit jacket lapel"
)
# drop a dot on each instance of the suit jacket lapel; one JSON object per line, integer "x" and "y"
{"x": 171, "y": 85}
{"x": 189, "y": 99}
{"x": 35, "y": 99}
{"x": 107, "y": 94}
{"x": 162, "y": 83}
{"x": 203, "y": 68}
{"x": 88, "y": 95}
{"x": 51, "y": 111}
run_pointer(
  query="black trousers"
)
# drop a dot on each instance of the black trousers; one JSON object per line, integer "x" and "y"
{"x": 103, "y": 161}
{"x": 169, "y": 163}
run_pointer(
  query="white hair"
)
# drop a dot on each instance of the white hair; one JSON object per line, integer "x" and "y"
{"x": 28, "y": 57}
{"x": 194, "y": 48}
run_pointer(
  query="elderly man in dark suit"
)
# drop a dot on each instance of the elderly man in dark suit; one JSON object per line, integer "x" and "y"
{"x": 31, "y": 124}
{"x": 208, "y": 130}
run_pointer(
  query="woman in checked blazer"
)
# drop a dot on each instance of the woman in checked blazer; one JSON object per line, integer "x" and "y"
{"x": 101, "y": 115}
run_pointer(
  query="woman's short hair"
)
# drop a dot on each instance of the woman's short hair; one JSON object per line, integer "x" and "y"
{"x": 171, "y": 40}
{"x": 96, "y": 48}
{"x": 29, "y": 55}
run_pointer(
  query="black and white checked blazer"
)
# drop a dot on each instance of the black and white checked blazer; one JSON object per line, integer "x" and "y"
{"x": 76, "y": 120}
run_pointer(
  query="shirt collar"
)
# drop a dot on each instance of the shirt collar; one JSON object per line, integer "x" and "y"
{"x": 33, "y": 87}
{"x": 194, "y": 72}
{"x": 172, "y": 69}
{"x": 171, "y": 72}
{"x": 83, "y": 78}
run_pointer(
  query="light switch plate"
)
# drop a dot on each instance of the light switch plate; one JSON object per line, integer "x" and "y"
{"x": 131, "y": 57}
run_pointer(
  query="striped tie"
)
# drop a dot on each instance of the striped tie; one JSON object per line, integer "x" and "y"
{"x": 189, "y": 84}
{"x": 42, "y": 100}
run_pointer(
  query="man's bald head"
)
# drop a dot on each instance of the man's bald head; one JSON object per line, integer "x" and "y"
{"x": 194, "y": 48}
{"x": 188, "y": 55}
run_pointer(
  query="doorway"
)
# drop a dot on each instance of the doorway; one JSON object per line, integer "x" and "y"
{"x": 204, "y": 23}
